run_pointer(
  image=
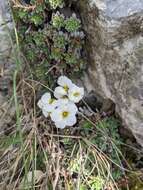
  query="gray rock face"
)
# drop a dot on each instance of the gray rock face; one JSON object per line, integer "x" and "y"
{"x": 123, "y": 8}
{"x": 6, "y": 62}
{"x": 114, "y": 31}
{"x": 5, "y": 25}
{"x": 5, "y": 44}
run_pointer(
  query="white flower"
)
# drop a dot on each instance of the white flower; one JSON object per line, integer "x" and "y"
{"x": 66, "y": 102}
{"x": 65, "y": 82}
{"x": 47, "y": 104}
{"x": 64, "y": 115}
{"x": 60, "y": 92}
{"x": 72, "y": 106}
{"x": 43, "y": 99}
{"x": 63, "y": 110}
{"x": 76, "y": 93}
{"x": 62, "y": 101}
{"x": 45, "y": 113}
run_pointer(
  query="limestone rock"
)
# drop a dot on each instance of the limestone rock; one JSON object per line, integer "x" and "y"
{"x": 6, "y": 63}
{"x": 114, "y": 30}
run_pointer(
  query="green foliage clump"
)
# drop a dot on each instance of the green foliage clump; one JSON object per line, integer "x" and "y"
{"x": 35, "y": 16}
{"x": 96, "y": 183}
{"x": 70, "y": 58}
{"x": 36, "y": 19}
{"x": 47, "y": 38}
{"x": 56, "y": 3}
{"x": 60, "y": 40}
{"x": 58, "y": 20}
{"x": 108, "y": 140}
{"x": 72, "y": 24}
{"x": 56, "y": 54}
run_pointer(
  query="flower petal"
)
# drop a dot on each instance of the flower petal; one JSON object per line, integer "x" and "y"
{"x": 60, "y": 125}
{"x": 59, "y": 92}
{"x": 56, "y": 115}
{"x": 40, "y": 104}
{"x": 48, "y": 107}
{"x": 64, "y": 81}
{"x": 62, "y": 102}
{"x": 70, "y": 121}
{"x": 46, "y": 97}
{"x": 45, "y": 113}
{"x": 73, "y": 108}
{"x": 76, "y": 93}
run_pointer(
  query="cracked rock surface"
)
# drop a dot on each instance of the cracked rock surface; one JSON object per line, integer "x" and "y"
{"x": 114, "y": 30}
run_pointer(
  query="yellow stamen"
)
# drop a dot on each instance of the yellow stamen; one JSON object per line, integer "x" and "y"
{"x": 76, "y": 94}
{"x": 51, "y": 101}
{"x": 66, "y": 88}
{"x": 65, "y": 114}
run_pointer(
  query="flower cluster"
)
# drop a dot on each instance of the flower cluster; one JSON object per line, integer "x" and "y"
{"x": 62, "y": 109}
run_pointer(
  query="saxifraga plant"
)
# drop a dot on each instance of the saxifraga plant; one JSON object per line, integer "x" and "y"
{"x": 46, "y": 44}
{"x": 56, "y": 3}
